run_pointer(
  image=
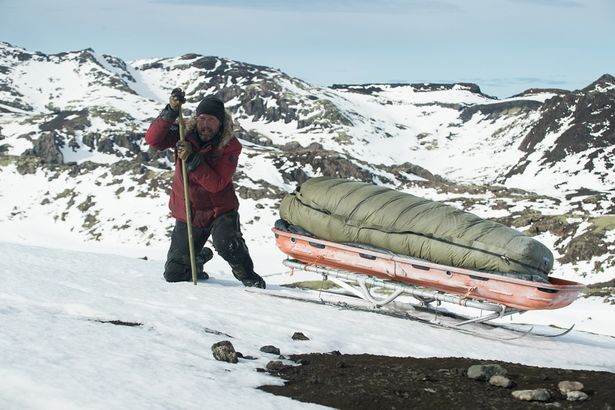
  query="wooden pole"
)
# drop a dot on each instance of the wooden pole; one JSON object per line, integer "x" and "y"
{"x": 182, "y": 137}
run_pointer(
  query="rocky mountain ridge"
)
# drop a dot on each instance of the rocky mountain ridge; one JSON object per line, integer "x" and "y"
{"x": 73, "y": 123}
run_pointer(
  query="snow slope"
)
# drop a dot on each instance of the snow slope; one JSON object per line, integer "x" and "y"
{"x": 58, "y": 354}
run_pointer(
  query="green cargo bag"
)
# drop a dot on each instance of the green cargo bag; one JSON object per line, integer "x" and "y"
{"x": 346, "y": 211}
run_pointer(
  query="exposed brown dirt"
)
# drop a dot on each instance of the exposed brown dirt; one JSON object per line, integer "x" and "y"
{"x": 379, "y": 382}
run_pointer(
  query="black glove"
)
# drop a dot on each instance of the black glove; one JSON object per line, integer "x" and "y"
{"x": 169, "y": 114}
{"x": 193, "y": 161}
{"x": 171, "y": 111}
{"x": 178, "y": 97}
{"x": 184, "y": 149}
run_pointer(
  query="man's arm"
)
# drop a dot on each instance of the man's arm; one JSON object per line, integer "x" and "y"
{"x": 162, "y": 132}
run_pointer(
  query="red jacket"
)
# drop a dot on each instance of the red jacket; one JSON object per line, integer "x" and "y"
{"x": 211, "y": 188}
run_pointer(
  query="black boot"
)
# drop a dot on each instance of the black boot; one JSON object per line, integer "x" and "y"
{"x": 201, "y": 259}
{"x": 254, "y": 281}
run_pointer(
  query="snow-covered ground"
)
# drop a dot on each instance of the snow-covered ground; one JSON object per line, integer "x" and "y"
{"x": 58, "y": 354}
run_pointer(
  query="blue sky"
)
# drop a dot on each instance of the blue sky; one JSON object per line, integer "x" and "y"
{"x": 504, "y": 46}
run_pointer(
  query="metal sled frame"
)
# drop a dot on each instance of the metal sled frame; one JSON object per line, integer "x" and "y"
{"x": 425, "y": 297}
{"x": 358, "y": 268}
{"x": 489, "y": 289}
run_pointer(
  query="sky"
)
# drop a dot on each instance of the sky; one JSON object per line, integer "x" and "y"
{"x": 504, "y": 46}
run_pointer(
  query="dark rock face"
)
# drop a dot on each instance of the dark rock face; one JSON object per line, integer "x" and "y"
{"x": 409, "y": 168}
{"x": 205, "y": 63}
{"x": 533, "y": 91}
{"x": 605, "y": 81}
{"x": 258, "y": 96}
{"x": 253, "y": 137}
{"x": 258, "y": 92}
{"x": 265, "y": 190}
{"x": 292, "y": 164}
{"x": 592, "y": 112}
{"x": 499, "y": 109}
{"x": 585, "y": 247}
{"x": 150, "y": 66}
{"x": 590, "y": 126}
{"x": 121, "y": 65}
{"x": 254, "y": 101}
{"x": 46, "y": 147}
{"x": 69, "y": 121}
{"x": 13, "y": 98}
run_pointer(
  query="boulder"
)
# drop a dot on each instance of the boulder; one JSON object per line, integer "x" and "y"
{"x": 532, "y": 395}
{"x": 568, "y": 386}
{"x": 485, "y": 371}
{"x": 224, "y": 352}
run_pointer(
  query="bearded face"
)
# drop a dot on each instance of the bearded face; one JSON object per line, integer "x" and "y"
{"x": 207, "y": 125}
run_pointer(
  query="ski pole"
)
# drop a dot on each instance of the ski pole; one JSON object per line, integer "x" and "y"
{"x": 182, "y": 137}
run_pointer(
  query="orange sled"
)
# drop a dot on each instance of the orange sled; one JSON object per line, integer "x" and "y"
{"x": 464, "y": 285}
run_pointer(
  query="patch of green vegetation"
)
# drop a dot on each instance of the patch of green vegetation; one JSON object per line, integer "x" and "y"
{"x": 605, "y": 290}
{"x": 89, "y": 221}
{"x": 333, "y": 114}
{"x": 111, "y": 115}
{"x": 512, "y": 111}
{"x": 7, "y": 159}
{"x": 124, "y": 167}
{"x": 599, "y": 292}
{"x": 343, "y": 138}
{"x": 526, "y": 218}
{"x": 604, "y": 223}
{"x": 64, "y": 194}
{"x": 123, "y": 227}
{"x": 87, "y": 204}
{"x": 28, "y": 165}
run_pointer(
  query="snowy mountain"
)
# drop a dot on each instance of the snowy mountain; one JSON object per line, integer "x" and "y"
{"x": 75, "y": 172}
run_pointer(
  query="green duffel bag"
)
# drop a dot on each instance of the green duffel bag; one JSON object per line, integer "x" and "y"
{"x": 342, "y": 210}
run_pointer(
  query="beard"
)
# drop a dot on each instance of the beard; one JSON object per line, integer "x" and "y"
{"x": 206, "y": 133}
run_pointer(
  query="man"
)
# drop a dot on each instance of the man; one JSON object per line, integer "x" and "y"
{"x": 211, "y": 153}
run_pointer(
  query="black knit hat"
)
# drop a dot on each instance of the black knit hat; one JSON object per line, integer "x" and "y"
{"x": 213, "y": 106}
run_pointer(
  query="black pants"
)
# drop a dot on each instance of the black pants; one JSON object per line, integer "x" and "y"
{"x": 228, "y": 242}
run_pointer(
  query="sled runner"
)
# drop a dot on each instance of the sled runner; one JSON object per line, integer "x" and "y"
{"x": 357, "y": 268}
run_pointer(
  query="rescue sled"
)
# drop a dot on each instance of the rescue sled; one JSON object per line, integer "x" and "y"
{"x": 356, "y": 268}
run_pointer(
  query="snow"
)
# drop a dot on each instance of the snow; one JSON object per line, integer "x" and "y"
{"x": 56, "y": 223}
{"x": 265, "y": 171}
{"x": 58, "y": 354}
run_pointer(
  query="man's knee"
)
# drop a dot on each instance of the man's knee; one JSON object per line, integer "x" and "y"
{"x": 230, "y": 246}
{"x": 177, "y": 276}
{"x": 176, "y": 272}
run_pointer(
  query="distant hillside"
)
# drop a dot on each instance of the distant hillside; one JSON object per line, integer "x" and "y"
{"x": 72, "y": 155}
